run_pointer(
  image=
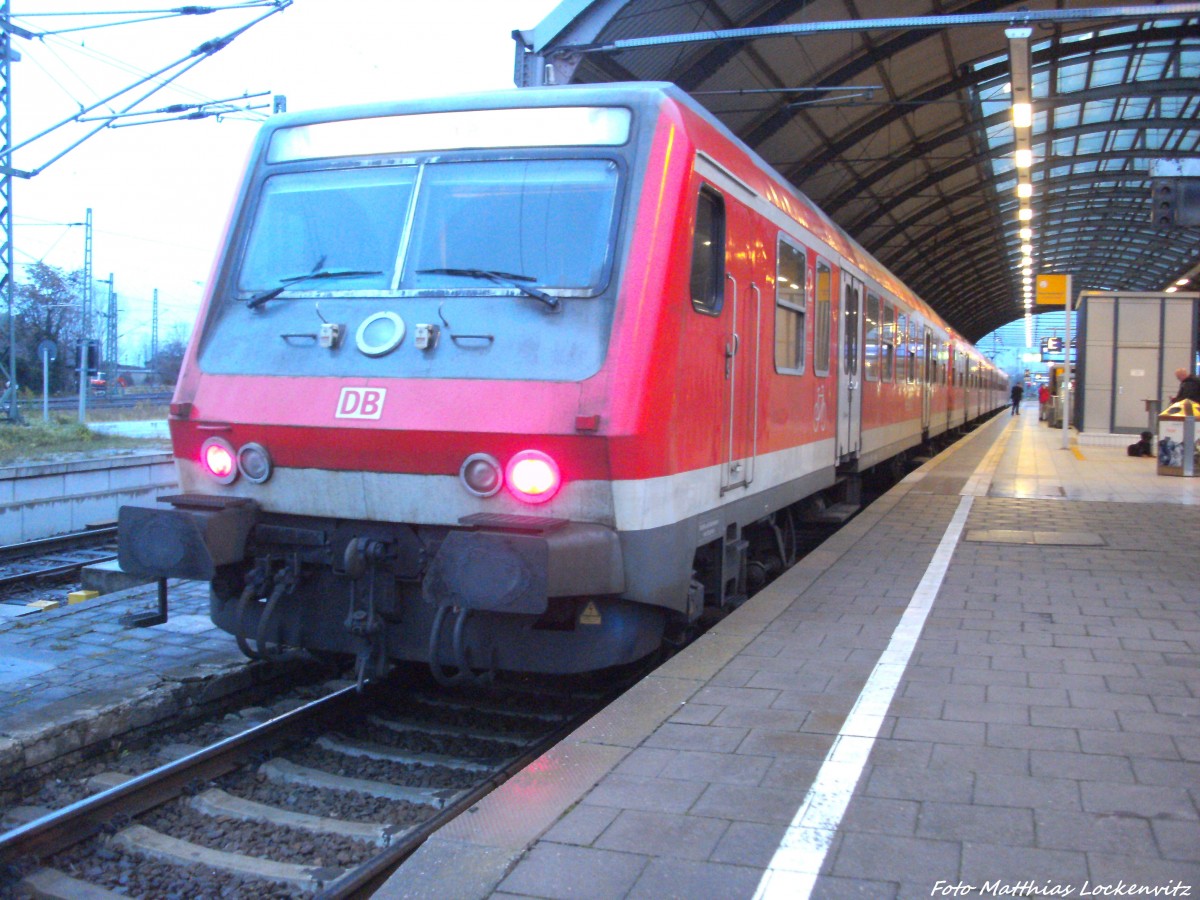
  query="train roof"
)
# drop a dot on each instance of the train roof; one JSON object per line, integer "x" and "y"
{"x": 635, "y": 95}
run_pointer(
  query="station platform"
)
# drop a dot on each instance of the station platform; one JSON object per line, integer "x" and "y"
{"x": 73, "y": 676}
{"x": 986, "y": 684}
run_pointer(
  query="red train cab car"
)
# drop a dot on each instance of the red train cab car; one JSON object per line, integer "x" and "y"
{"x": 523, "y": 381}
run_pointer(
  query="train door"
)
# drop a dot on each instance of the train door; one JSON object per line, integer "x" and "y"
{"x": 743, "y": 297}
{"x": 849, "y": 368}
{"x": 927, "y": 370}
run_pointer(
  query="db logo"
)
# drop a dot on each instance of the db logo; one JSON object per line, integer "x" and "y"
{"x": 360, "y": 403}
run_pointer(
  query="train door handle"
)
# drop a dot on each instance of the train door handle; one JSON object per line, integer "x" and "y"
{"x": 731, "y": 350}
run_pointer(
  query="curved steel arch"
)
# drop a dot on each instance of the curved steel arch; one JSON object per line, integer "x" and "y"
{"x": 914, "y": 177}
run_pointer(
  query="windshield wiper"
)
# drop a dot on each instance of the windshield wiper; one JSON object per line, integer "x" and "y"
{"x": 505, "y": 278}
{"x": 284, "y": 283}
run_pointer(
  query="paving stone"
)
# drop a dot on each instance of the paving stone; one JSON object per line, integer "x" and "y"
{"x": 1031, "y": 737}
{"x": 650, "y": 794}
{"x": 696, "y": 714}
{"x": 663, "y": 835}
{"x": 1009, "y": 761}
{"x": 1015, "y": 866}
{"x": 676, "y": 736}
{"x": 646, "y": 761}
{"x": 878, "y": 857}
{"x": 1081, "y": 766}
{"x": 742, "y": 804}
{"x": 564, "y": 872}
{"x": 1129, "y": 743}
{"x": 970, "y": 734}
{"x": 718, "y": 768}
{"x": 675, "y": 878}
{"x": 976, "y": 822}
{"x": 1146, "y": 801}
{"x": 748, "y": 844}
{"x": 882, "y": 816}
{"x": 1071, "y": 717}
{"x": 761, "y": 742}
{"x": 833, "y": 888}
{"x": 752, "y": 717}
{"x": 582, "y": 825}
{"x": 1094, "y": 833}
{"x": 916, "y": 784}
{"x": 1108, "y": 872}
{"x": 1027, "y": 791}
{"x": 1177, "y": 840}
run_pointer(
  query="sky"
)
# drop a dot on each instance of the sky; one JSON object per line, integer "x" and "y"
{"x": 160, "y": 194}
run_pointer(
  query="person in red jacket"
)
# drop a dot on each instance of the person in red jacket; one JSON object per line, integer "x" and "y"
{"x": 1043, "y": 403}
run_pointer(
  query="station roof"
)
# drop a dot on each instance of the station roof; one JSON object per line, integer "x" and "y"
{"x": 900, "y": 128}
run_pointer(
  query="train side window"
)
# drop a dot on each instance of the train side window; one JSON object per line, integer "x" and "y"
{"x": 824, "y": 307}
{"x": 791, "y": 308}
{"x": 901, "y": 344}
{"x": 708, "y": 253}
{"x": 850, "y": 341}
{"x": 872, "y": 330}
{"x": 887, "y": 346}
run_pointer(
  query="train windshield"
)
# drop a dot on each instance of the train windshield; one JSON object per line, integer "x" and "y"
{"x": 548, "y": 220}
{"x": 511, "y": 260}
{"x": 323, "y": 221}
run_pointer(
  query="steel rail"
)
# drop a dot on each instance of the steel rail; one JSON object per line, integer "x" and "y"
{"x": 366, "y": 878}
{"x": 17, "y": 555}
{"x": 61, "y": 829}
{"x": 39, "y": 546}
{"x": 69, "y": 568}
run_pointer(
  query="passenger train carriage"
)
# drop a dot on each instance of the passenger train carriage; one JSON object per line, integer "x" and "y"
{"x": 523, "y": 381}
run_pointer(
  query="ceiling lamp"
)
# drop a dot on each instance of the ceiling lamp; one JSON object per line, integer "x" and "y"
{"x": 1024, "y": 190}
{"x": 1025, "y": 214}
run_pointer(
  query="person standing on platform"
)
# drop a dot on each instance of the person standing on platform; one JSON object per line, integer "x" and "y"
{"x": 1043, "y": 403}
{"x": 1189, "y": 386}
{"x": 1017, "y": 393}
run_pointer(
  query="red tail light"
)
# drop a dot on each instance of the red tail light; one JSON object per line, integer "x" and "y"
{"x": 533, "y": 476}
{"x": 218, "y": 459}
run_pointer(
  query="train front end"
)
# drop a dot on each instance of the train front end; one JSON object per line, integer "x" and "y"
{"x": 391, "y": 428}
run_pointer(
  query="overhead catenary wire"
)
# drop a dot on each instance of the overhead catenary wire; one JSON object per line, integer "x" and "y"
{"x": 168, "y": 74}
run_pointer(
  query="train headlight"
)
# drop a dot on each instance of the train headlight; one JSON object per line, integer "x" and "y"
{"x": 533, "y": 476}
{"x": 481, "y": 475}
{"x": 217, "y": 457}
{"x": 254, "y": 462}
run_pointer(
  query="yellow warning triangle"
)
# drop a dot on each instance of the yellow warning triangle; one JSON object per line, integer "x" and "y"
{"x": 590, "y": 614}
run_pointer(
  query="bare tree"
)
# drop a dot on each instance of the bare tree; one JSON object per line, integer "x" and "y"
{"x": 48, "y": 305}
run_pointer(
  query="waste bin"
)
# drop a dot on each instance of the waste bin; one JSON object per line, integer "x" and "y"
{"x": 1178, "y": 449}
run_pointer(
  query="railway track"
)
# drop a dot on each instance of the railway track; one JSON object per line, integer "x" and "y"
{"x": 326, "y": 799}
{"x": 32, "y": 408}
{"x": 53, "y": 557}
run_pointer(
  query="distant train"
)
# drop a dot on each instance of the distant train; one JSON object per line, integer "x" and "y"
{"x": 524, "y": 381}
